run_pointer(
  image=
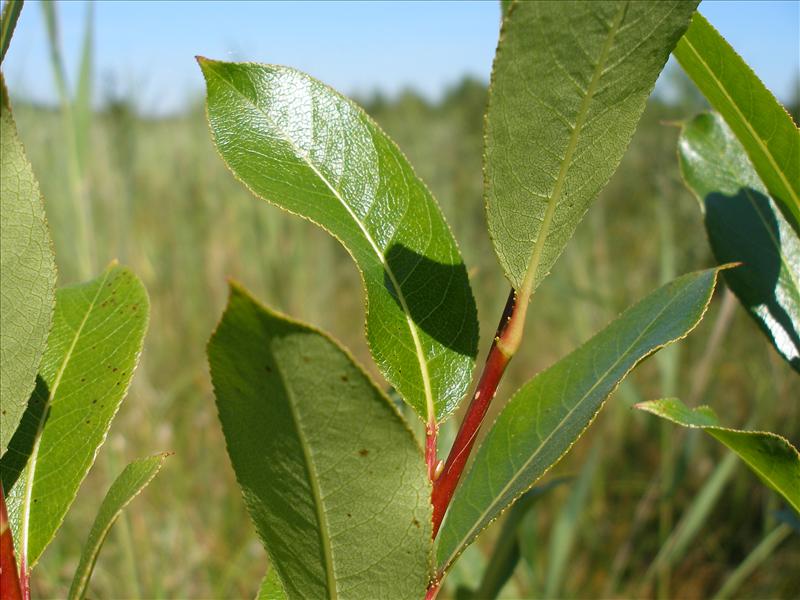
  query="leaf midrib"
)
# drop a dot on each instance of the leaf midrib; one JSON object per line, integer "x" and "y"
{"x": 533, "y": 266}
{"x": 764, "y": 148}
{"x": 423, "y": 365}
{"x": 316, "y": 491}
{"x": 31, "y": 469}
{"x": 557, "y": 428}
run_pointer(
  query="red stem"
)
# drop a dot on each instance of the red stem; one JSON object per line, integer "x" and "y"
{"x": 433, "y": 590}
{"x": 503, "y": 348}
{"x": 10, "y": 588}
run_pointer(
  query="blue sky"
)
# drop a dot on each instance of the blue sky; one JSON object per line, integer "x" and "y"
{"x": 147, "y": 48}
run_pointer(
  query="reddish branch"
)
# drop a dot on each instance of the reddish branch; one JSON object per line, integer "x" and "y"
{"x": 10, "y": 588}
{"x": 505, "y": 344}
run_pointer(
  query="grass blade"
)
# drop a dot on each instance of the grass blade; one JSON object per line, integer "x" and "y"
{"x": 759, "y": 554}
{"x": 566, "y": 526}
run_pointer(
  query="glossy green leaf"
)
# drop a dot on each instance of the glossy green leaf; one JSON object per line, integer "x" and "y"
{"x": 93, "y": 347}
{"x": 8, "y": 21}
{"x": 548, "y": 414}
{"x": 770, "y": 456}
{"x": 133, "y": 479}
{"x": 332, "y": 476}
{"x": 745, "y": 225}
{"x": 271, "y": 588}
{"x": 770, "y": 138}
{"x": 569, "y": 83}
{"x": 27, "y": 275}
{"x": 296, "y": 142}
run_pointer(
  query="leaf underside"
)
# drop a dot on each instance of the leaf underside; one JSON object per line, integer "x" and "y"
{"x": 331, "y": 475}
{"x": 93, "y": 347}
{"x": 27, "y": 275}
{"x": 770, "y": 456}
{"x": 297, "y": 143}
{"x": 548, "y": 414}
{"x": 745, "y": 225}
{"x": 569, "y": 83}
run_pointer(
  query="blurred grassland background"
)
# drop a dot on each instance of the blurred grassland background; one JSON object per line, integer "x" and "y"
{"x": 653, "y": 510}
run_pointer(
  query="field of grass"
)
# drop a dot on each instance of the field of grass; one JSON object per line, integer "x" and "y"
{"x": 160, "y": 200}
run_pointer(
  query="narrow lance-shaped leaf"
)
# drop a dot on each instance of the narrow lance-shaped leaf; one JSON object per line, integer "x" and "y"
{"x": 332, "y": 476}
{"x": 549, "y": 413}
{"x": 770, "y": 456}
{"x": 27, "y": 274}
{"x": 745, "y": 225}
{"x": 297, "y": 143}
{"x": 569, "y": 83}
{"x": 770, "y": 138}
{"x": 8, "y": 21}
{"x": 92, "y": 350}
{"x": 133, "y": 479}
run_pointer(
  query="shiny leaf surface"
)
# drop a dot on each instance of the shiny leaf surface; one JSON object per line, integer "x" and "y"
{"x": 333, "y": 478}
{"x": 745, "y": 225}
{"x": 297, "y": 143}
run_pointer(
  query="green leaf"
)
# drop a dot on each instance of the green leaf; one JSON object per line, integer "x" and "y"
{"x": 271, "y": 587}
{"x": 548, "y": 414}
{"x": 332, "y": 476}
{"x": 8, "y": 21}
{"x": 297, "y": 143}
{"x": 569, "y": 83}
{"x": 82, "y": 111}
{"x": 27, "y": 274}
{"x": 770, "y": 138}
{"x": 770, "y": 456}
{"x": 745, "y": 225}
{"x": 133, "y": 479}
{"x": 92, "y": 350}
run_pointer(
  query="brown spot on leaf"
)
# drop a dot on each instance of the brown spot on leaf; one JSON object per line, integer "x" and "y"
{"x": 363, "y": 452}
